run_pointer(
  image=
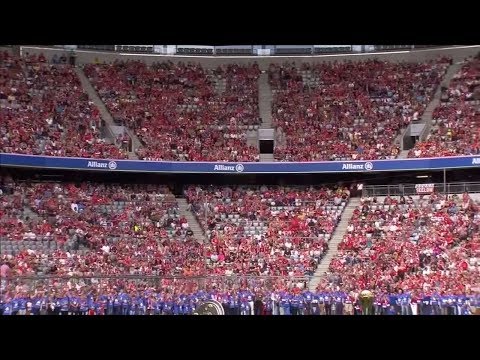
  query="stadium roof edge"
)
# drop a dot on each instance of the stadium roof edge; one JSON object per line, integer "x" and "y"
{"x": 366, "y": 54}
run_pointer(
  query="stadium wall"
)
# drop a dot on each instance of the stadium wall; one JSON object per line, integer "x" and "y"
{"x": 8, "y": 49}
{"x": 106, "y": 165}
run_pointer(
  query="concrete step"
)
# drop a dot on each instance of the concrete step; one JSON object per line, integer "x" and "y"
{"x": 427, "y": 114}
{"x": 220, "y": 85}
{"x": 30, "y": 213}
{"x": 93, "y": 95}
{"x": 426, "y": 117}
{"x": 336, "y": 239}
{"x": 195, "y": 226}
{"x": 265, "y": 98}
{"x": 266, "y": 158}
{"x": 403, "y": 154}
{"x": 253, "y": 141}
{"x": 104, "y": 113}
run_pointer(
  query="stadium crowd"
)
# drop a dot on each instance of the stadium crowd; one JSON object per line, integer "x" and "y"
{"x": 124, "y": 249}
{"x": 178, "y": 112}
{"x": 425, "y": 247}
{"x": 88, "y": 229}
{"x": 336, "y": 111}
{"x": 137, "y": 229}
{"x": 456, "y": 119}
{"x": 268, "y": 230}
{"x": 44, "y": 111}
{"x": 349, "y": 110}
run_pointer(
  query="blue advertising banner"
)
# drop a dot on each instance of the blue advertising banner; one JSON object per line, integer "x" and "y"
{"x": 51, "y": 162}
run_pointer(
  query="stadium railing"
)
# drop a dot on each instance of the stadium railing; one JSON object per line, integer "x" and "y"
{"x": 421, "y": 188}
{"x": 54, "y": 283}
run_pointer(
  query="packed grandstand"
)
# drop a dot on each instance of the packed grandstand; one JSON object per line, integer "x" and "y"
{"x": 117, "y": 245}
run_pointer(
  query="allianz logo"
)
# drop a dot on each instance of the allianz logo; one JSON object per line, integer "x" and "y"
{"x": 349, "y": 166}
{"x": 112, "y": 165}
{"x": 237, "y": 168}
{"x": 476, "y": 161}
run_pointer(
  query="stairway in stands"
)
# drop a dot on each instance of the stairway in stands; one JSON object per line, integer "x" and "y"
{"x": 336, "y": 239}
{"x": 403, "y": 154}
{"x": 266, "y": 158}
{"x": 192, "y": 220}
{"x": 104, "y": 113}
{"x": 220, "y": 85}
{"x": 265, "y": 99}
{"x": 28, "y": 212}
{"x": 427, "y": 115}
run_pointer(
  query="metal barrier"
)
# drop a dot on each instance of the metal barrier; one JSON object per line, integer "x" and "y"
{"x": 53, "y": 284}
{"x": 232, "y": 50}
{"x": 410, "y": 189}
{"x": 135, "y": 295}
{"x": 394, "y": 47}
